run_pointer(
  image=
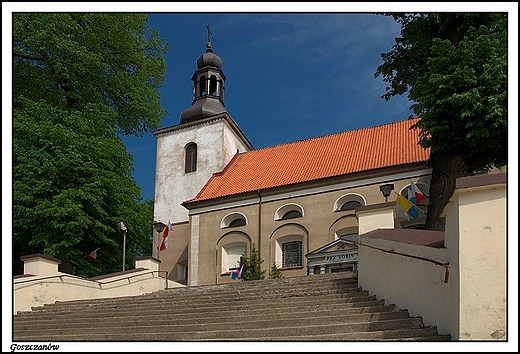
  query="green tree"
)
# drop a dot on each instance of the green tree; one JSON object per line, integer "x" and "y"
{"x": 453, "y": 66}
{"x": 72, "y": 184}
{"x": 275, "y": 273}
{"x": 252, "y": 265}
{"x": 79, "y": 82}
{"x": 73, "y": 60}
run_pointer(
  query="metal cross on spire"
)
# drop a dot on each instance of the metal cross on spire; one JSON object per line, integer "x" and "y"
{"x": 209, "y": 32}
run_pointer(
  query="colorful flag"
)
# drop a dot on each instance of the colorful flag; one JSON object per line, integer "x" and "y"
{"x": 419, "y": 196}
{"x": 406, "y": 205}
{"x": 166, "y": 232}
{"x": 93, "y": 255}
{"x": 413, "y": 210}
{"x": 163, "y": 245}
{"x": 241, "y": 272}
{"x": 401, "y": 213}
{"x": 233, "y": 275}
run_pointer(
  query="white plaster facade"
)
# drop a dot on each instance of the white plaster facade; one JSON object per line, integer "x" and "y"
{"x": 218, "y": 139}
{"x": 42, "y": 283}
{"x": 465, "y": 292}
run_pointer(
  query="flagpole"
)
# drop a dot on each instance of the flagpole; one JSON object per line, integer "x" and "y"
{"x": 159, "y": 227}
{"x": 122, "y": 227}
{"x": 412, "y": 203}
{"x": 424, "y": 197}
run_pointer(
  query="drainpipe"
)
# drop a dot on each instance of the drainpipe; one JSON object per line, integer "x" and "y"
{"x": 259, "y": 222}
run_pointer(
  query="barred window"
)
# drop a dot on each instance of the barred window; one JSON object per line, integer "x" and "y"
{"x": 292, "y": 254}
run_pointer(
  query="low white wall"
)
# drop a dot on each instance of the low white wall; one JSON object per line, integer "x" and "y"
{"x": 34, "y": 290}
{"x": 472, "y": 304}
{"x": 476, "y": 217}
{"x": 409, "y": 283}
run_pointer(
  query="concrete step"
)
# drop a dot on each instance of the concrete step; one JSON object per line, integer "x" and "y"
{"x": 428, "y": 334}
{"x": 242, "y": 290}
{"x": 171, "y": 304}
{"x": 172, "y": 332}
{"x": 244, "y": 323}
{"x": 217, "y": 296}
{"x": 204, "y": 315}
{"x": 196, "y": 316}
{"x": 321, "y": 307}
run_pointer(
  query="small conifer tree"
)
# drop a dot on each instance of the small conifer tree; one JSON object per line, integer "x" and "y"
{"x": 252, "y": 270}
{"x": 275, "y": 272}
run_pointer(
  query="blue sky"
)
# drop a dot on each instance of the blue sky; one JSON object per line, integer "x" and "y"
{"x": 289, "y": 76}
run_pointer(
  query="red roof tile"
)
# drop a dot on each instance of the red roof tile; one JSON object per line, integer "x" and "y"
{"x": 338, "y": 154}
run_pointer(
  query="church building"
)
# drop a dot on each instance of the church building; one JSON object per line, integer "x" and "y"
{"x": 295, "y": 202}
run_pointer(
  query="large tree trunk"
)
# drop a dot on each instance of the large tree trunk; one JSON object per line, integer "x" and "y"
{"x": 447, "y": 167}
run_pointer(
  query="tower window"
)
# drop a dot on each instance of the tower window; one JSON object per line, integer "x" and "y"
{"x": 213, "y": 85}
{"x": 202, "y": 87}
{"x": 191, "y": 158}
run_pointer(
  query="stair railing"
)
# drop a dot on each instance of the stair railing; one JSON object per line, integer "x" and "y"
{"x": 445, "y": 265}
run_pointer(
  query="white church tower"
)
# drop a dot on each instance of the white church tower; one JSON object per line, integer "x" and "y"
{"x": 203, "y": 143}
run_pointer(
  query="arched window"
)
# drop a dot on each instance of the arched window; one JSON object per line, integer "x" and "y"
{"x": 233, "y": 220}
{"x": 349, "y": 202}
{"x": 423, "y": 187}
{"x": 237, "y": 222}
{"x": 231, "y": 254}
{"x": 292, "y": 214}
{"x": 213, "y": 85}
{"x": 202, "y": 85}
{"x": 353, "y": 204}
{"x": 191, "y": 158}
{"x": 289, "y": 211}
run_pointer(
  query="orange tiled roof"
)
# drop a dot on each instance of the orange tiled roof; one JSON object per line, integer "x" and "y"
{"x": 338, "y": 154}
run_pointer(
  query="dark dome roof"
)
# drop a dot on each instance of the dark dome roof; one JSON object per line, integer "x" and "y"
{"x": 209, "y": 59}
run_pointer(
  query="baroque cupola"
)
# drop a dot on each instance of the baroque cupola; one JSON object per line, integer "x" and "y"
{"x": 208, "y": 87}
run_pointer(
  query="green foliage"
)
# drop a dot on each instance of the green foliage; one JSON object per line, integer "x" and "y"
{"x": 275, "y": 273}
{"x": 71, "y": 186}
{"x": 254, "y": 263}
{"x": 72, "y": 60}
{"x": 80, "y": 80}
{"x": 454, "y": 68}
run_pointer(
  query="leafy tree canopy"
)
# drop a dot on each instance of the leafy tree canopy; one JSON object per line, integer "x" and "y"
{"x": 79, "y": 81}
{"x": 72, "y": 185}
{"x": 453, "y": 67}
{"x": 72, "y": 60}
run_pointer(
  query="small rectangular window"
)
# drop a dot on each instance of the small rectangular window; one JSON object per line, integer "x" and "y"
{"x": 292, "y": 254}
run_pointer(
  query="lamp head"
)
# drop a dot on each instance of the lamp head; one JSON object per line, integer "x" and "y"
{"x": 121, "y": 226}
{"x": 159, "y": 226}
{"x": 386, "y": 189}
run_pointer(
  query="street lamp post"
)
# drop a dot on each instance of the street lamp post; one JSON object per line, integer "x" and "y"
{"x": 386, "y": 189}
{"x": 159, "y": 227}
{"x": 122, "y": 228}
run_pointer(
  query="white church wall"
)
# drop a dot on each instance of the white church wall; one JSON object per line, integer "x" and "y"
{"x": 172, "y": 185}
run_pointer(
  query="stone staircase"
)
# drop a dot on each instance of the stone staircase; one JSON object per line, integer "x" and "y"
{"x": 329, "y": 307}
